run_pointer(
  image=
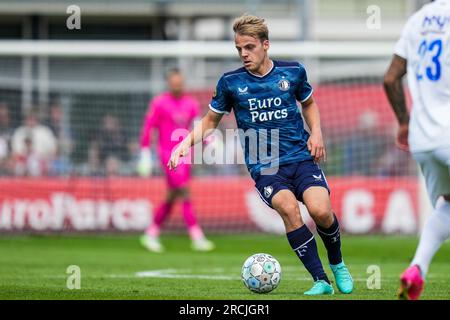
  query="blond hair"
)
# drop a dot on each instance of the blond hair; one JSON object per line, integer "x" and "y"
{"x": 247, "y": 25}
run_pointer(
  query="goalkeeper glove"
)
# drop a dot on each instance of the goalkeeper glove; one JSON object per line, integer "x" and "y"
{"x": 144, "y": 167}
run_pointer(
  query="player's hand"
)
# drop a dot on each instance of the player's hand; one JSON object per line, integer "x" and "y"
{"x": 209, "y": 139}
{"x": 402, "y": 137}
{"x": 181, "y": 151}
{"x": 316, "y": 147}
{"x": 144, "y": 167}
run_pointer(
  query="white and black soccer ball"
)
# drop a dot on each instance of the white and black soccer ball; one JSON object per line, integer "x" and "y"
{"x": 261, "y": 273}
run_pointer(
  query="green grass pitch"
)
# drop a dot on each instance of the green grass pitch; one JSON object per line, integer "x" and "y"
{"x": 117, "y": 267}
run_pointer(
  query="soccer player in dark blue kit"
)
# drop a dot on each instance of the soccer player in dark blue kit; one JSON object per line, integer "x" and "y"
{"x": 281, "y": 156}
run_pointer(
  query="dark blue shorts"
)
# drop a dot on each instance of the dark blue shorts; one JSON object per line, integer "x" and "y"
{"x": 296, "y": 177}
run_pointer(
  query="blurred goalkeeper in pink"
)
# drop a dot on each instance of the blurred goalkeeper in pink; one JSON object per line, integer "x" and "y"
{"x": 168, "y": 112}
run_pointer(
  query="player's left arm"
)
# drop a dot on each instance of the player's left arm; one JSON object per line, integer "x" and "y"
{"x": 315, "y": 143}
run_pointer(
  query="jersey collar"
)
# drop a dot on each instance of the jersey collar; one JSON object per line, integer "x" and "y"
{"x": 262, "y": 76}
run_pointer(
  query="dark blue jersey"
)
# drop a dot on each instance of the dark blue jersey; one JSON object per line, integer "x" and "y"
{"x": 270, "y": 122}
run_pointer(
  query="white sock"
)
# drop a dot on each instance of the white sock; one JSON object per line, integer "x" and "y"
{"x": 436, "y": 231}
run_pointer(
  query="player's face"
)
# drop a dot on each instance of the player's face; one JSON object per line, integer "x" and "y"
{"x": 175, "y": 83}
{"x": 252, "y": 51}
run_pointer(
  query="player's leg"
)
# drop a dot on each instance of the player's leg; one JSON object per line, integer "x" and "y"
{"x": 317, "y": 201}
{"x": 312, "y": 189}
{"x": 150, "y": 239}
{"x": 436, "y": 170}
{"x": 276, "y": 192}
{"x": 199, "y": 242}
{"x": 301, "y": 240}
{"x": 435, "y": 232}
{"x": 161, "y": 214}
{"x": 180, "y": 179}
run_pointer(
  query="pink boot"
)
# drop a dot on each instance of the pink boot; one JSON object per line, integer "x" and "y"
{"x": 411, "y": 284}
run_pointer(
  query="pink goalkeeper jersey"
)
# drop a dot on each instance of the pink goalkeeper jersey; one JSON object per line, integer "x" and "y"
{"x": 166, "y": 114}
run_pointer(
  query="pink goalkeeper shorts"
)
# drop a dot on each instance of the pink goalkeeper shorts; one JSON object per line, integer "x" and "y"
{"x": 179, "y": 177}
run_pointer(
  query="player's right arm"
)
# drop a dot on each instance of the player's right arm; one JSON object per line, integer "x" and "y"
{"x": 393, "y": 87}
{"x": 393, "y": 84}
{"x": 208, "y": 123}
{"x": 150, "y": 122}
{"x": 144, "y": 166}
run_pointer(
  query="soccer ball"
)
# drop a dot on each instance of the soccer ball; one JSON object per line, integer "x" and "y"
{"x": 261, "y": 273}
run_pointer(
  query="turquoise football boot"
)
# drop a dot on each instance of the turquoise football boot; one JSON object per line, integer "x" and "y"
{"x": 320, "y": 287}
{"x": 344, "y": 280}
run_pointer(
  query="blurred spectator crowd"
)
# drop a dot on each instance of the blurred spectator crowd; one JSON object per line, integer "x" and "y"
{"x": 43, "y": 145}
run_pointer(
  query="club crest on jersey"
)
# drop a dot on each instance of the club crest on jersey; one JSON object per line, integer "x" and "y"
{"x": 268, "y": 191}
{"x": 284, "y": 85}
{"x": 243, "y": 90}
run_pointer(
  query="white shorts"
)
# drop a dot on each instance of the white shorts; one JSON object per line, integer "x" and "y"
{"x": 435, "y": 166}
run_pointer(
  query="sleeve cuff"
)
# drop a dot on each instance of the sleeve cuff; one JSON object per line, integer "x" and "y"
{"x": 218, "y": 111}
{"x": 309, "y": 96}
{"x": 401, "y": 54}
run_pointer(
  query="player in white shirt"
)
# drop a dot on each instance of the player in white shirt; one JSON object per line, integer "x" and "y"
{"x": 423, "y": 53}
